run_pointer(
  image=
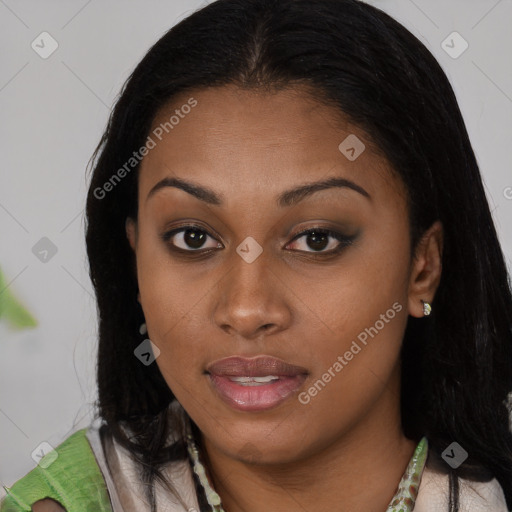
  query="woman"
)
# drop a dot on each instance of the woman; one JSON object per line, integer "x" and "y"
{"x": 303, "y": 302}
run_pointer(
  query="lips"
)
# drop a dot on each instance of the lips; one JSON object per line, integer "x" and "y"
{"x": 255, "y": 384}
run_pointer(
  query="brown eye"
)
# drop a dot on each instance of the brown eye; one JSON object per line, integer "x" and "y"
{"x": 317, "y": 240}
{"x": 194, "y": 238}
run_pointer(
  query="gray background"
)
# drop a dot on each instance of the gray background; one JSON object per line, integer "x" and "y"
{"x": 53, "y": 112}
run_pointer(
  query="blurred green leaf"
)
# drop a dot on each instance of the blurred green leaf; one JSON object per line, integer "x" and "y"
{"x": 11, "y": 309}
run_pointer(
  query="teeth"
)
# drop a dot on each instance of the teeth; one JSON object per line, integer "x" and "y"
{"x": 254, "y": 381}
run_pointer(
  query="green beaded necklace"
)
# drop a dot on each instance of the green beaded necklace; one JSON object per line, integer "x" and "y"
{"x": 403, "y": 500}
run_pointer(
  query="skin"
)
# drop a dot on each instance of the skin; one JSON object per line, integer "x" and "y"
{"x": 345, "y": 449}
{"x": 47, "y": 505}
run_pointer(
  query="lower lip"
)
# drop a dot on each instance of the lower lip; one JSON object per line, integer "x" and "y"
{"x": 256, "y": 398}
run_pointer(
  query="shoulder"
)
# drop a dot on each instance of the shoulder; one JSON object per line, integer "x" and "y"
{"x": 69, "y": 475}
{"x": 433, "y": 494}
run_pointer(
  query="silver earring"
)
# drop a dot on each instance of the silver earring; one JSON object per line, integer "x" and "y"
{"x": 427, "y": 308}
{"x": 143, "y": 329}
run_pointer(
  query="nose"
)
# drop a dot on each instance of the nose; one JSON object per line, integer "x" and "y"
{"x": 252, "y": 300}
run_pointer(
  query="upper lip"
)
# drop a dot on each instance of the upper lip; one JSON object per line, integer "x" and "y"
{"x": 259, "y": 366}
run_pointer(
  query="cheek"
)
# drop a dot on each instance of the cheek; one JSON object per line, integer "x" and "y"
{"x": 174, "y": 300}
{"x": 371, "y": 277}
{"x": 364, "y": 306}
{"x": 175, "y": 321}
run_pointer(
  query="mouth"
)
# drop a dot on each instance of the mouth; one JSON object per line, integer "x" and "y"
{"x": 255, "y": 384}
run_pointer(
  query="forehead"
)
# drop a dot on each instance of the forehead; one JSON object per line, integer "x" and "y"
{"x": 243, "y": 141}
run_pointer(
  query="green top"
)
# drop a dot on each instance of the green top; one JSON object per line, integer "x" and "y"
{"x": 69, "y": 475}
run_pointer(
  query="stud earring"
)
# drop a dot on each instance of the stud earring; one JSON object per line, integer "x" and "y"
{"x": 427, "y": 308}
{"x": 143, "y": 329}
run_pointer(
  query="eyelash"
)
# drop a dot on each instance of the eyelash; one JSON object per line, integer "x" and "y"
{"x": 343, "y": 240}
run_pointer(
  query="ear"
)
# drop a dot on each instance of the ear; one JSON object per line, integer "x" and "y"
{"x": 131, "y": 231}
{"x": 426, "y": 269}
{"x": 131, "y": 234}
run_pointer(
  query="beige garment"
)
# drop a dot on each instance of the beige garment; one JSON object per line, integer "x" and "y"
{"x": 433, "y": 495}
{"x": 126, "y": 492}
{"x": 123, "y": 483}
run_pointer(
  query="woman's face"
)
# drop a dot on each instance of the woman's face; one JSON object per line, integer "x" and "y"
{"x": 277, "y": 344}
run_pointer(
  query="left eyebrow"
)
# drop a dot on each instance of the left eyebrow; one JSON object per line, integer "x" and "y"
{"x": 287, "y": 198}
{"x": 293, "y": 196}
